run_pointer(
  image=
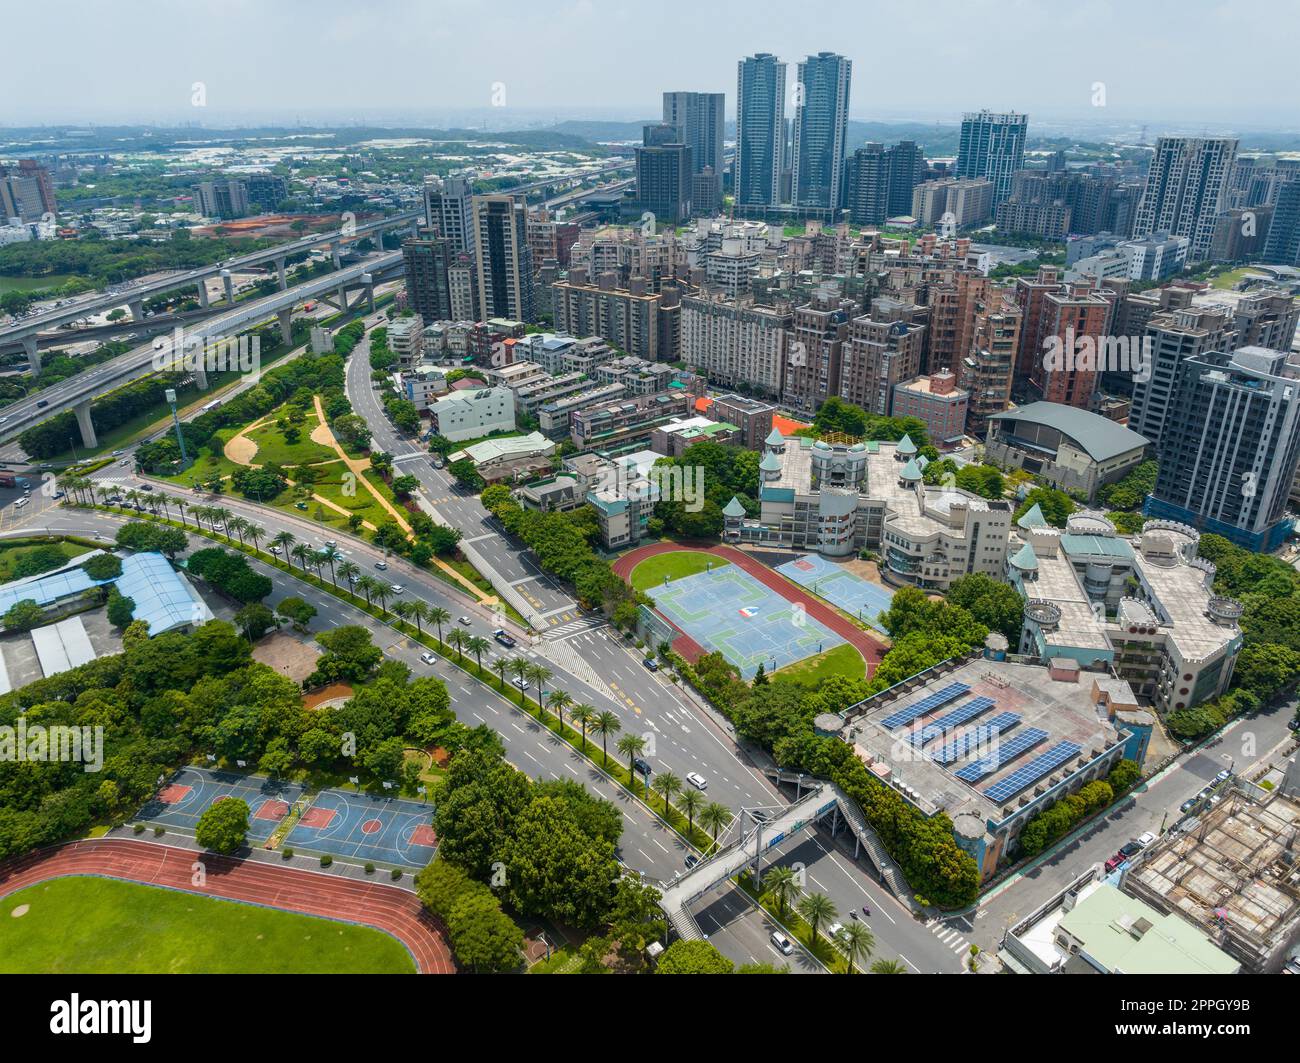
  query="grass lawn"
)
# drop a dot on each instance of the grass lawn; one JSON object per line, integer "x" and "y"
{"x": 651, "y": 571}
{"x": 208, "y": 466}
{"x": 101, "y": 926}
{"x": 11, "y": 555}
{"x": 272, "y": 446}
{"x": 843, "y": 660}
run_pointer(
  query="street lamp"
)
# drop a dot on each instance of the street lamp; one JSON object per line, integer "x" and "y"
{"x": 170, "y": 395}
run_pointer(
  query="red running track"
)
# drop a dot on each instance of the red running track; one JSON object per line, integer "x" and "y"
{"x": 871, "y": 649}
{"x": 373, "y": 904}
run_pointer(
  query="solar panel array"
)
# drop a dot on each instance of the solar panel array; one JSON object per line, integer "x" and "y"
{"x": 974, "y": 738}
{"x": 920, "y": 708}
{"x": 962, "y": 714}
{"x": 1021, "y": 741}
{"x": 1041, "y": 765}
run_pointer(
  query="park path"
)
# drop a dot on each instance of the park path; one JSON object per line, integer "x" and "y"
{"x": 872, "y": 649}
{"x": 383, "y": 907}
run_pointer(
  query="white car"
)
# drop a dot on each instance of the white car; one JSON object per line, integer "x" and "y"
{"x": 397, "y": 588}
{"x": 782, "y": 943}
{"x": 428, "y": 658}
{"x": 463, "y": 620}
{"x": 22, "y": 502}
{"x": 697, "y": 780}
{"x": 1145, "y": 839}
{"x": 520, "y": 682}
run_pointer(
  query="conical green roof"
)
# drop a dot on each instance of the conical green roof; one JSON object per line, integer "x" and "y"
{"x": 1033, "y": 518}
{"x": 910, "y": 471}
{"x": 774, "y": 438}
{"x": 770, "y": 463}
{"x": 733, "y": 508}
{"x": 1024, "y": 558}
{"x": 906, "y": 446}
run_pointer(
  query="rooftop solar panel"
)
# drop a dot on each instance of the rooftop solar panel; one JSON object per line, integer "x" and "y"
{"x": 1013, "y": 747}
{"x": 960, "y": 715}
{"x": 1041, "y": 765}
{"x": 920, "y": 708}
{"x": 975, "y": 738}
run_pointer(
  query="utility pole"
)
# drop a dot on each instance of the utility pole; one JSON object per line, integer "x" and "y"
{"x": 170, "y": 395}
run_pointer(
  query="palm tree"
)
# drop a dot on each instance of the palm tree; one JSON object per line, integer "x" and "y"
{"x": 366, "y": 584}
{"x": 782, "y": 883}
{"x": 582, "y": 714}
{"x": 713, "y": 817}
{"x": 668, "y": 785}
{"x": 181, "y": 505}
{"x": 630, "y": 746}
{"x": 689, "y": 802}
{"x": 253, "y": 531}
{"x": 163, "y": 502}
{"x": 402, "y": 610}
{"x": 349, "y": 572}
{"x": 539, "y": 674}
{"x": 317, "y": 561}
{"x": 888, "y": 967}
{"x": 501, "y": 664}
{"x": 519, "y": 669}
{"x": 476, "y": 644}
{"x": 457, "y": 637}
{"x": 437, "y": 616}
{"x": 606, "y": 724}
{"x": 382, "y": 590}
{"x": 283, "y": 540}
{"x": 299, "y": 553}
{"x": 857, "y": 942}
{"x": 330, "y": 556}
{"x": 223, "y": 516}
{"x": 418, "y": 612}
{"x": 559, "y": 700}
{"x": 237, "y": 525}
{"x": 817, "y": 910}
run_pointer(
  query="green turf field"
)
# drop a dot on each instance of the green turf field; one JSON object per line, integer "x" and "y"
{"x": 102, "y": 926}
{"x": 650, "y": 573}
{"x": 842, "y": 660}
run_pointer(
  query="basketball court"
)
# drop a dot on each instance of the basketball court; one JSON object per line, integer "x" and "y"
{"x": 367, "y": 828}
{"x": 192, "y": 791}
{"x": 856, "y": 596}
{"x": 729, "y": 611}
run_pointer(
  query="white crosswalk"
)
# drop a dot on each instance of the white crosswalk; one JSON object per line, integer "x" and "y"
{"x": 951, "y": 938}
{"x": 573, "y": 627}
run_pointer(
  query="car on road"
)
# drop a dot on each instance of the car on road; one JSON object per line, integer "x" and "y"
{"x": 503, "y": 638}
{"x": 146, "y": 487}
{"x": 1146, "y": 839}
{"x": 117, "y": 453}
{"x": 650, "y": 663}
{"x": 782, "y": 943}
{"x": 381, "y": 565}
{"x": 834, "y": 930}
{"x": 42, "y": 403}
{"x": 428, "y": 658}
{"x": 691, "y": 860}
{"x": 520, "y": 682}
{"x": 397, "y": 588}
{"x": 643, "y": 766}
{"x": 697, "y": 780}
{"x": 464, "y": 620}
{"x": 21, "y": 502}
{"x": 124, "y": 462}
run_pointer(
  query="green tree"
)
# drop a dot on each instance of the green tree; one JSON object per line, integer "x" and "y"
{"x": 693, "y": 957}
{"x": 223, "y": 826}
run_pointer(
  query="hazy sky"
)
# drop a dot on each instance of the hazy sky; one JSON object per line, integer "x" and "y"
{"x": 399, "y": 60}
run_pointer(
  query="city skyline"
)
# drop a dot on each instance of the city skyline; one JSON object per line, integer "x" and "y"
{"x": 442, "y": 65}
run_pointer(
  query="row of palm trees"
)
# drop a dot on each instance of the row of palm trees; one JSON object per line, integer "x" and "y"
{"x": 784, "y": 886}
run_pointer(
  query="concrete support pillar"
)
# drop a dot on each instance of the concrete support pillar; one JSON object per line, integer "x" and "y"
{"x": 199, "y": 370}
{"x": 343, "y": 298}
{"x": 286, "y": 323}
{"x": 88, "y": 438}
{"x": 137, "y": 309}
{"x": 33, "y": 352}
{"x": 369, "y": 281}
{"x": 335, "y": 249}
{"x": 279, "y": 269}
{"x": 203, "y": 292}
{"x": 229, "y": 282}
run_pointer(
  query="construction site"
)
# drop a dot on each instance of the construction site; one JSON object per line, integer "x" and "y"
{"x": 1234, "y": 871}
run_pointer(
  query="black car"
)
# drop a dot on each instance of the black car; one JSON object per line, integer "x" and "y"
{"x": 643, "y": 766}
{"x": 691, "y": 860}
{"x": 1130, "y": 849}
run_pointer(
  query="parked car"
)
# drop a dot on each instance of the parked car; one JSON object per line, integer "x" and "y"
{"x": 697, "y": 780}
{"x": 1115, "y": 861}
{"x": 1223, "y": 776}
{"x": 1129, "y": 849}
{"x": 691, "y": 860}
{"x": 650, "y": 663}
{"x": 1189, "y": 804}
{"x": 1146, "y": 839}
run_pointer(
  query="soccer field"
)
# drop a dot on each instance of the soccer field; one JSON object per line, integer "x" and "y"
{"x": 81, "y": 925}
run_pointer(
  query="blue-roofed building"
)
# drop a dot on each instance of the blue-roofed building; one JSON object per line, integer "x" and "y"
{"x": 162, "y": 595}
